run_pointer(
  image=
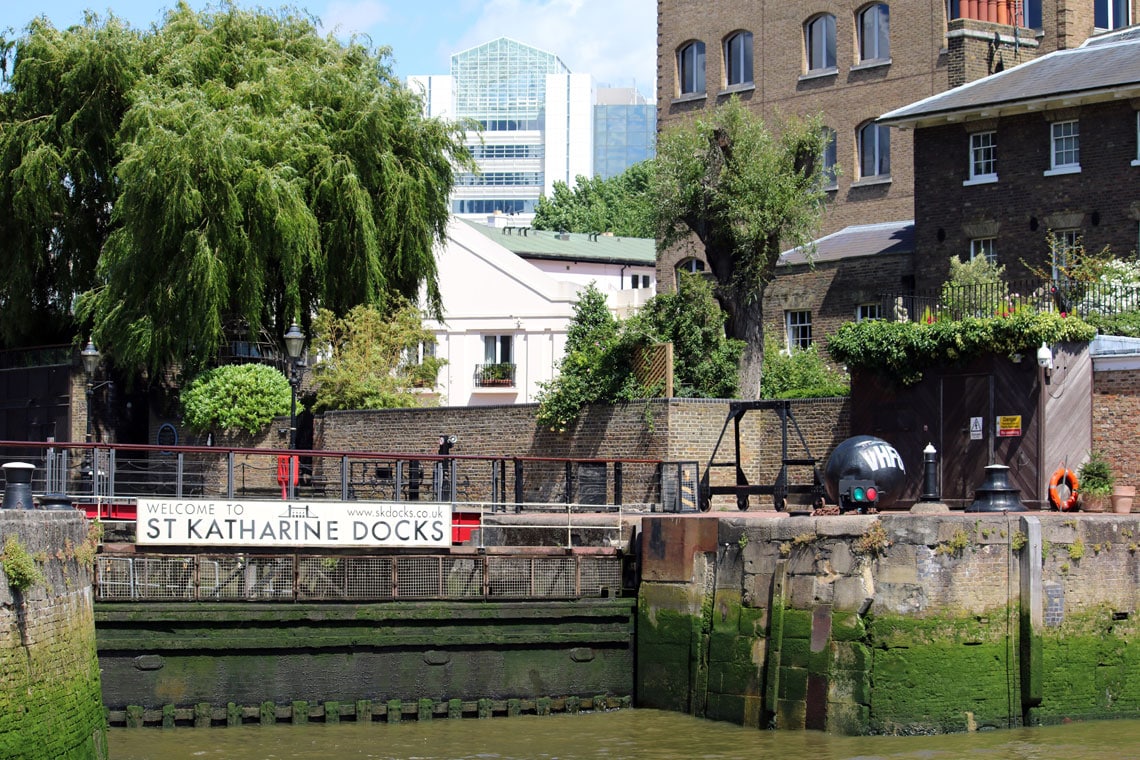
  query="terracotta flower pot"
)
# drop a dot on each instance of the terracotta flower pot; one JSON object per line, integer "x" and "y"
{"x": 1122, "y": 497}
{"x": 1094, "y": 502}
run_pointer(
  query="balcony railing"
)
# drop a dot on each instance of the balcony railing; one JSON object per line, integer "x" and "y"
{"x": 500, "y": 375}
{"x": 953, "y": 302}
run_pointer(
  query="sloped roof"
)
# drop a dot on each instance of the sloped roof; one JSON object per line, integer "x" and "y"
{"x": 1106, "y": 67}
{"x": 857, "y": 240}
{"x": 545, "y": 244}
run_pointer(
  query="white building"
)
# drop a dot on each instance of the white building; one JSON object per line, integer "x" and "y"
{"x": 508, "y": 297}
{"x": 536, "y": 122}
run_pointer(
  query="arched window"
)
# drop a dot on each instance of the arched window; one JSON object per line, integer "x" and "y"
{"x": 874, "y": 150}
{"x": 691, "y": 68}
{"x": 738, "y": 59}
{"x": 819, "y": 42}
{"x": 874, "y": 25}
{"x": 830, "y": 158}
{"x": 691, "y": 265}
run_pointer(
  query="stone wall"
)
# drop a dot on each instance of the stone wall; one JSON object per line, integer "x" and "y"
{"x": 897, "y": 623}
{"x": 50, "y": 705}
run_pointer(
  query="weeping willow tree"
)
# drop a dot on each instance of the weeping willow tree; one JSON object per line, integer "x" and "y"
{"x": 230, "y": 164}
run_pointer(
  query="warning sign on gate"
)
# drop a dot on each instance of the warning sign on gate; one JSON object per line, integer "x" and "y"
{"x": 975, "y": 428}
{"x": 1009, "y": 426}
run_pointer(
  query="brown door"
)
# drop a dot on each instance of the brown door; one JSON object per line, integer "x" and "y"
{"x": 967, "y": 433}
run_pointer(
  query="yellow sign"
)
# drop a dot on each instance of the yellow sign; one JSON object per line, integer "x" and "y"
{"x": 1009, "y": 425}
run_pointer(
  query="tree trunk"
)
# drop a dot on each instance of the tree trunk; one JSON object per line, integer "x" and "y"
{"x": 747, "y": 324}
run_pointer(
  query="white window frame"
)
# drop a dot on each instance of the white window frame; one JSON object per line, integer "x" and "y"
{"x": 499, "y": 349}
{"x": 1117, "y": 17}
{"x": 1136, "y": 161}
{"x": 983, "y": 155}
{"x": 880, "y": 147}
{"x": 820, "y": 44}
{"x": 691, "y": 68}
{"x": 866, "y": 312}
{"x": 691, "y": 265}
{"x": 875, "y": 47}
{"x": 1063, "y": 243}
{"x": 984, "y": 246}
{"x": 1064, "y": 147}
{"x": 797, "y": 324}
{"x": 738, "y": 59}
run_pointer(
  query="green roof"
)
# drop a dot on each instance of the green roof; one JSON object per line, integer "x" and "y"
{"x": 570, "y": 246}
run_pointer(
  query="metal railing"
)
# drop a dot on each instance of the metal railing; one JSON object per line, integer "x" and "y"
{"x": 997, "y": 299}
{"x": 329, "y": 578}
{"x": 102, "y": 473}
{"x": 494, "y": 375}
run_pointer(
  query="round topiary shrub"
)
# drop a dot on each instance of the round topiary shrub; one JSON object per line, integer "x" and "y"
{"x": 236, "y": 397}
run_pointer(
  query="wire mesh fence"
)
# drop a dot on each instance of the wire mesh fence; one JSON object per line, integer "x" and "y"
{"x": 309, "y": 578}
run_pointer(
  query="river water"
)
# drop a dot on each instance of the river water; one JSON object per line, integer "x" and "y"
{"x": 622, "y": 735}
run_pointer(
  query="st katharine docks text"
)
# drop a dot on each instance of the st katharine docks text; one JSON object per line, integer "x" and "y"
{"x": 278, "y": 523}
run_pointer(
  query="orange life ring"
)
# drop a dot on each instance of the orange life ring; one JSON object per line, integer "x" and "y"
{"x": 1069, "y": 478}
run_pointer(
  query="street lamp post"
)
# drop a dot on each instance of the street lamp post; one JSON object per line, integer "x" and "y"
{"x": 294, "y": 344}
{"x": 91, "y": 359}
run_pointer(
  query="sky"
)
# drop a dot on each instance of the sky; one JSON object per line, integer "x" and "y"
{"x": 613, "y": 40}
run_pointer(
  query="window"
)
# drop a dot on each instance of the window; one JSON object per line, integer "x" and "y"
{"x": 874, "y": 151}
{"x": 497, "y": 349}
{"x": 1028, "y": 15}
{"x": 799, "y": 329}
{"x": 819, "y": 42}
{"x": 984, "y": 247}
{"x": 691, "y": 265}
{"x": 830, "y": 159}
{"x": 866, "y": 311}
{"x": 1064, "y": 244}
{"x": 738, "y": 59}
{"x": 983, "y": 157}
{"x": 1066, "y": 147}
{"x": 415, "y": 355}
{"x": 638, "y": 281}
{"x": 874, "y": 33}
{"x": 1136, "y": 161}
{"x": 1111, "y": 14}
{"x": 691, "y": 68}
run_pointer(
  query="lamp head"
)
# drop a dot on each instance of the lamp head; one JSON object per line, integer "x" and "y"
{"x": 1045, "y": 356}
{"x": 91, "y": 357}
{"x": 294, "y": 341}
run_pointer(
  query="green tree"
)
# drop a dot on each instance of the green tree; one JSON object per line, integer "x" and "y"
{"x": 800, "y": 373}
{"x": 743, "y": 193}
{"x": 705, "y": 360}
{"x": 370, "y": 359}
{"x": 222, "y": 164}
{"x": 235, "y": 397}
{"x": 622, "y": 205}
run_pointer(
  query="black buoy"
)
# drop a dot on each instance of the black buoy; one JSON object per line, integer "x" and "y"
{"x": 18, "y": 485}
{"x": 996, "y": 494}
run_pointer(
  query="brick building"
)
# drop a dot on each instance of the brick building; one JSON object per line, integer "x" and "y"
{"x": 1023, "y": 165}
{"x": 851, "y": 62}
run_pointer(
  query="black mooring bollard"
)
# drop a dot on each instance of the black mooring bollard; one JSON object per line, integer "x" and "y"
{"x": 18, "y": 485}
{"x": 930, "y": 474}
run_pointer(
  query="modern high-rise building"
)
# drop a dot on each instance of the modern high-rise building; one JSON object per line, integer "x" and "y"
{"x": 535, "y": 118}
{"x": 538, "y": 124}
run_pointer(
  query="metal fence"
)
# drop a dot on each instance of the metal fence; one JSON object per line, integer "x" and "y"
{"x": 309, "y": 578}
{"x": 951, "y": 302}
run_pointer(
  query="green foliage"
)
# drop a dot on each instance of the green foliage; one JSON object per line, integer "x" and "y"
{"x": 20, "y": 566}
{"x": 371, "y": 358}
{"x": 705, "y": 361}
{"x": 598, "y": 367}
{"x": 222, "y": 164}
{"x": 903, "y": 350}
{"x": 235, "y": 397}
{"x": 973, "y": 287}
{"x": 622, "y": 205}
{"x": 799, "y": 373}
{"x": 874, "y": 542}
{"x": 955, "y": 545}
{"x": 1095, "y": 475}
{"x": 1125, "y": 323}
{"x": 745, "y": 195}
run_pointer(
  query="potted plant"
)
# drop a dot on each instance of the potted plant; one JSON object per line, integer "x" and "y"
{"x": 1096, "y": 481}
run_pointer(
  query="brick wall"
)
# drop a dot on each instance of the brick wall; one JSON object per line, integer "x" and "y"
{"x": 1024, "y": 204}
{"x": 50, "y": 703}
{"x": 1116, "y": 422}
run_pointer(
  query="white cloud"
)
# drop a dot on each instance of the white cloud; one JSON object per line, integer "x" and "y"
{"x": 615, "y": 41}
